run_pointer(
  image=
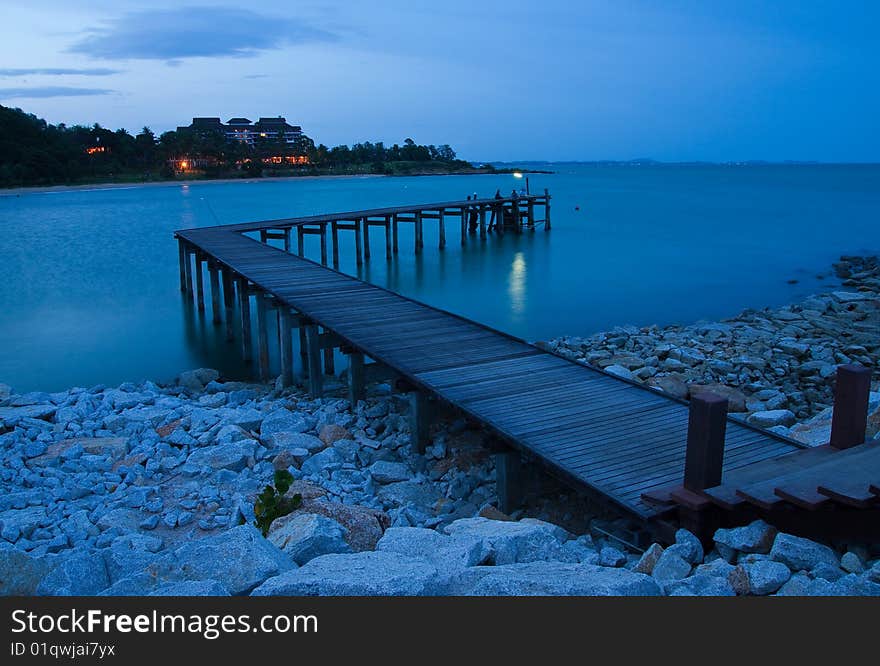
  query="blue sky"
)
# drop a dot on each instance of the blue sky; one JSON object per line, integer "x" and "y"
{"x": 615, "y": 79}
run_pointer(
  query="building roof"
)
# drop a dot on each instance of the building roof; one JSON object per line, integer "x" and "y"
{"x": 238, "y": 121}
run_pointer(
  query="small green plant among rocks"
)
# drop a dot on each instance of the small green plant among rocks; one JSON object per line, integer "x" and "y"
{"x": 272, "y": 503}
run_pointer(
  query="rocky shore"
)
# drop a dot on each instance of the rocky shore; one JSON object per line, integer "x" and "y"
{"x": 146, "y": 489}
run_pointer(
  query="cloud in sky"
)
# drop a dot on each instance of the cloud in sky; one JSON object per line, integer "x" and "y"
{"x": 59, "y": 71}
{"x": 50, "y": 91}
{"x": 191, "y": 32}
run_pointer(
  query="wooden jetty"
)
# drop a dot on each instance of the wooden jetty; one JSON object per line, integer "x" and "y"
{"x": 652, "y": 456}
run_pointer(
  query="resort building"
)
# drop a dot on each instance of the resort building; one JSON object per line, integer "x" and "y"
{"x": 246, "y": 131}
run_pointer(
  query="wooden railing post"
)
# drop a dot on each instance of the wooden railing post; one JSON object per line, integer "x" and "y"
{"x": 420, "y": 420}
{"x": 313, "y": 349}
{"x": 508, "y": 480}
{"x": 355, "y": 378}
{"x": 849, "y": 420}
{"x": 707, "y": 424}
{"x": 546, "y": 209}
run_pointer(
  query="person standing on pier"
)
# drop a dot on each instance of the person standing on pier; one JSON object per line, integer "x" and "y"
{"x": 496, "y": 212}
{"x": 473, "y": 217}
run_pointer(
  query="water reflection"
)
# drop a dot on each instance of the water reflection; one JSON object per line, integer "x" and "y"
{"x": 516, "y": 284}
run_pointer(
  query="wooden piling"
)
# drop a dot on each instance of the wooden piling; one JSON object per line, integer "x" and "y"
{"x": 394, "y": 225}
{"x": 182, "y": 259}
{"x": 704, "y": 457}
{"x": 387, "y": 238}
{"x": 200, "y": 283}
{"x": 244, "y": 305}
{"x": 287, "y": 239}
{"x": 187, "y": 267}
{"x": 358, "y": 243}
{"x": 214, "y": 275}
{"x": 356, "y": 387}
{"x": 482, "y": 222}
{"x": 464, "y": 214}
{"x": 334, "y": 236}
{"x": 324, "y": 244}
{"x": 419, "y": 420}
{"x": 313, "y": 346}
{"x": 849, "y": 420}
{"x": 508, "y": 480}
{"x": 546, "y": 209}
{"x": 262, "y": 337}
{"x": 229, "y": 304}
{"x": 329, "y": 358}
{"x": 442, "y": 228}
{"x": 301, "y": 241}
{"x": 366, "y": 231}
{"x": 418, "y": 232}
{"x": 285, "y": 346}
{"x": 264, "y": 236}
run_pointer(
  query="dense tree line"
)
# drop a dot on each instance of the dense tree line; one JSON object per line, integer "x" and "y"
{"x": 34, "y": 152}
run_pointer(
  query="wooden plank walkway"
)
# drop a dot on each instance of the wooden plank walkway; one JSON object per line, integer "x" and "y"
{"x": 590, "y": 428}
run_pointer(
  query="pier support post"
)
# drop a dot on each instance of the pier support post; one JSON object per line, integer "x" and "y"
{"x": 508, "y": 480}
{"x": 182, "y": 259}
{"x": 849, "y": 419}
{"x": 285, "y": 346}
{"x": 707, "y": 424}
{"x": 304, "y": 352}
{"x": 229, "y": 304}
{"x": 482, "y": 222}
{"x": 366, "y": 228}
{"x": 355, "y": 378}
{"x": 420, "y": 241}
{"x": 442, "y": 228}
{"x": 300, "y": 241}
{"x": 200, "y": 283}
{"x": 387, "y": 238}
{"x": 287, "y": 239}
{"x": 358, "y": 242}
{"x": 244, "y": 305}
{"x": 334, "y": 234}
{"x": 214, "y": 274}
{"x": 531, "y": 214}
{"x": 316, "y": 377}
{"x": 262, "y": 337}
{"x": 329, "y": 359}
{"x": 394, "y": 225}
{"x": 546, "y": 209}
{"x": 187, "y": 268}
{"x": 464, "y": 215}
{"x": 324, "y": 244}
{"x": 420, "y": 420}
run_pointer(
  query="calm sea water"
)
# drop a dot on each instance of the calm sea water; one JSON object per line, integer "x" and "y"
{"x": 89, "y": 290}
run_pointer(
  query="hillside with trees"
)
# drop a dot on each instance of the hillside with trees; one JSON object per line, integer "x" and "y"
{"x": 34, "y": 152}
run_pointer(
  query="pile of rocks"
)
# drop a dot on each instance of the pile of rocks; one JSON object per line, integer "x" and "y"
{"x": 776, "y": 367}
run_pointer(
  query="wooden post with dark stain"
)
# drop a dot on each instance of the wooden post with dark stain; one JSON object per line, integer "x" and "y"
{"x": 329, "y": 358}
{"x": 244, "y": 305}
{"x": 183, "y": 259}
{"x": 229, "y": 304}
{"x": 287, "y": 239}
{"x": 285, "y": 345}
{"x": 546, "y": 209}
{"x": 418, "y": 231}
{"x": 313, "y": 346}
{"x": 464, "y": 214}
{"x": 324, "y": 244}
{"x": 420, "y": 420}
{"x": 707, "y": 424}
{"x": 355, "y": 378}
{"x": 394, "y": 225}
{"x": 214, "y": 275}
{"x": 334, "y": 235}
{"x": 367, "y": 252}
{"x": 508, "y": 480}
{"x": 264, "y": 236}
{"x": 262, "y": 337}
{"x": 387, "y": 238}
{"x": 300, "y": 241}
{"x": 358, "y": 242}
{"x": 849, "y": 420}
{"x": 442, "y": 228}
{"x": 482, "y": 222}
{"x": 200, "y": 283}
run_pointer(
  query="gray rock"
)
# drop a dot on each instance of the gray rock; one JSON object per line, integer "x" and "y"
{"x": 827, "y": 571}
{"x": 772, "y": 417}
{"x": 620, "y": 371}
{"x": 307, "y": 535}
{"x": 441, "y": 549}
{"x": 282, "y": 420}
{"x": 797, "y": 586}
{"x": 851, "y": 563}
{"x": 293, "y": 440}
{"x": 196, "y": 380}
{"x": 701, "y": 585}
{"x": 687, "y": 546}
{"x": 561, "y": 578}
{"x": 16, "y": 523}
{"x": 384, "y": 471}
{"x": 508, "y": 541}
{"x": 232, "y": 455}
{"x": 766, "y": 576}
{"x": 611, "y": 557}
{"x": 191, "y": 588}
{"x": 80, "y": 574}
{"x": 239, "y": 558}
{"x": 20, "y": 573}
{"x": 756, "y": 537}
{"x": 648, "y": 560}
{"x": 800, "y": 554}
{"x": 670, "y": 567}
{"x": 409, "y": 492}
{"x": 361, "y": 574}
{"x": 329, "y": 459}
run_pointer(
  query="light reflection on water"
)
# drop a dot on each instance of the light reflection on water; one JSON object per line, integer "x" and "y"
{"x": 89, "y": 290}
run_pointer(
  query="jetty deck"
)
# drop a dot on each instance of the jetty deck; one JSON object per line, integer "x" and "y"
{"x": 630, "y": 444}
